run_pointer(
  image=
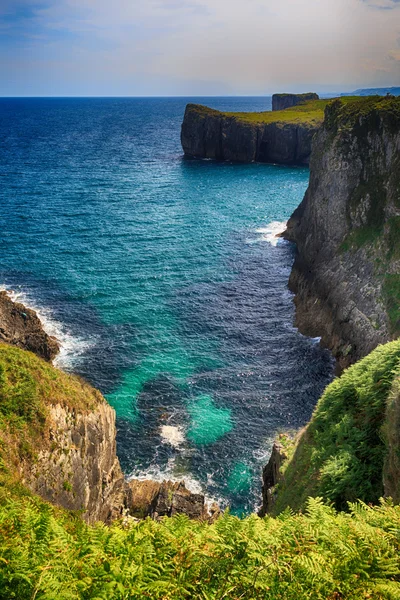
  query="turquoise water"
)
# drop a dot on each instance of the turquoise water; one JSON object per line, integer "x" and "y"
{"x": 159, "y": 276}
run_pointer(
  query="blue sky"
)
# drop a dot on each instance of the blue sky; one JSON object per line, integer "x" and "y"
{"x": 196, "y": 47}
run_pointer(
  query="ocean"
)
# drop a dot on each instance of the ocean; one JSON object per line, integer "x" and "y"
{"x": 164, "y": 281}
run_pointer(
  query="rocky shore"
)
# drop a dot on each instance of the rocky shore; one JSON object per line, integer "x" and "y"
{"x": 21, "y": 327}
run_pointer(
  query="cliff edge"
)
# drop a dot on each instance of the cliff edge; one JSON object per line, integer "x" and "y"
{"x": 282, "y": 137}
{"x": 346, "y": 274}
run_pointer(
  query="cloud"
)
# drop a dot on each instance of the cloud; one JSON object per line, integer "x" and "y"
{"x": 129, "y": 47}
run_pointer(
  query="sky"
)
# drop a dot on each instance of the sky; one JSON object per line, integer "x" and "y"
{"x": 196, "y": 47}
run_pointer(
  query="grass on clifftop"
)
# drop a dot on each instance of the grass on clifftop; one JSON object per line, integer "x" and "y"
{"x": 309, "y": 113}
{"x": 341, "y": 455}
{"x": 28, "y": 386}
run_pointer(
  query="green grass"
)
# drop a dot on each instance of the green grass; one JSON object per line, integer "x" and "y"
{"x": 362, "y": 236}
{"x": 341, "y": 454}
{"x": 391, "y": 294}
{"x": 28, "y": 386}
{"x": 309, "y": 113}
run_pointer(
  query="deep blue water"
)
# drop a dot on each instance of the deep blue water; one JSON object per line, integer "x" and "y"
{"x": 159, "y": 276}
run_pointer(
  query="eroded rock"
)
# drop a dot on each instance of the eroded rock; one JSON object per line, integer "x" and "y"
{"x": 21, "y": 327}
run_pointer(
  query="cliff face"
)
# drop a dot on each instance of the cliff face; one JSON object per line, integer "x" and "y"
{"x": 208, "y": 133}
{"x": 21, "y": 327}
{"x": 79, "y": 469}
{"x": 347, "y": 230}
{"x": 283, "y": 101}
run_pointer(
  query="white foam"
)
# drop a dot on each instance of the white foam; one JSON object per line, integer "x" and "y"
{"x": 71, "y": 347}
{"x": 172, "y": 435}
{"x": 271, "y": 232}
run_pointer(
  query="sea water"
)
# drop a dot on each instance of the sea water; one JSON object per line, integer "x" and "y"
{"x": 163, "y": 279}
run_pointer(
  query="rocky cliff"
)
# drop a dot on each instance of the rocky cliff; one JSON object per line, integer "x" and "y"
{"x": 21, "y": 327}
{"x": 58, "y": 438}
{"x": 283, "y": 101}
{"x": 262, "y": 137}
{"x": 346, "y": 275}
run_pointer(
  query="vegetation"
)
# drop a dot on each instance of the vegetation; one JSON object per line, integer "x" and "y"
{"x": 309, "y": 113}
{"x": 48, "y": 554}
{"x": 362, "y": 112}
{"x": 391, "y": 293}
{"x": 341, "y": 454}
{"x": 28, "y": 385}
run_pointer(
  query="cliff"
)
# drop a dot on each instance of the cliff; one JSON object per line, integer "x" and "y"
{"x": 350, "y": 449}
{"x": 283, "y": 137}
{"x": 347, "y": 230}
{"x": 21, "y": 327}
{"x": 283, "y": 101}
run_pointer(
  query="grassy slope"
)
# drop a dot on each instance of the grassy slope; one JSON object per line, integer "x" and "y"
{"x": 310, "y": 113}
{"x": 28, "y": 386}
{"x": 341, "y": 454}
{"x": 47, "y": 554}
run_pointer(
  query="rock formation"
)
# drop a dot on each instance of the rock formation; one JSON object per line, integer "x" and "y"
{"x": 21, "y": 327}
{"x": 208, "y": 133}
{"x": 272, "y": 476}
{"x": 346, "y": 275}
{"x": 78, "y": 469}
{"x": 166, "y": 498}
{"x": 64, "y": 448}
{"x": 283, "y": 101}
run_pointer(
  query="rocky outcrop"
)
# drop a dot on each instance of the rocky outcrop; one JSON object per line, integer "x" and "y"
{"x": 165, "y": 499}
{"x": 208, "y": 133}
{"x": 78, "y": 469}
{"x": 283, "y": 101}
{"x": 21, "y": 327}
{"x": 346, "y": 275}
{"x": 272, "y": 476}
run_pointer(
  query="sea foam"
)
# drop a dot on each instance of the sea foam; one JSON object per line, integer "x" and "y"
{"x": 71, "y": 347}
{"x": 271, "y": 232}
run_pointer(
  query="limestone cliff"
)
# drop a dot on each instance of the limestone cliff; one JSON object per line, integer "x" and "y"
{"x": 21, "y": 327}
{"x": 78, "y": 468}
{"x": 346, "y": 274}
{"x": 283, "y": 101}
{"x": 262, "y": 137}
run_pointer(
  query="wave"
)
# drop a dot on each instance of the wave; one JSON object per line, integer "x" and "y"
{"x": 271, "y": 232}
{"x": 72, "y": 348}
